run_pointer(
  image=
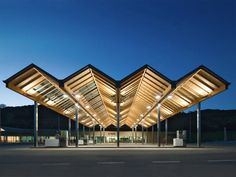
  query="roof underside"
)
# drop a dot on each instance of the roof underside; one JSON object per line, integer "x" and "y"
{"x": 95, "y": 93}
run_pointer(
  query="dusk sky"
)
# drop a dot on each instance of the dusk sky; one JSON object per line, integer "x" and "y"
{"x": 118, "y": 37}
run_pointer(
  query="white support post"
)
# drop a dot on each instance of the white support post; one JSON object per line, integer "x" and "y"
{"x": 76, "y": 126}
{"x": 158, "y": 125}
{"x": 166, "y": 131}
{"x": 35, "y": 124}
{"x": 69, "y": 130}
{"x": 118, "y": 116}
{"x": 104, "y": 136}
{"x": 199, "y": 124}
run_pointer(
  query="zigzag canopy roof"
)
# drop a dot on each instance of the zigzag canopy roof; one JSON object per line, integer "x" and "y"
{"x": 95, "y": 93}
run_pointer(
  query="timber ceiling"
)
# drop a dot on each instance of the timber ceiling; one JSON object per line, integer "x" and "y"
{"x": 94, "y": 93}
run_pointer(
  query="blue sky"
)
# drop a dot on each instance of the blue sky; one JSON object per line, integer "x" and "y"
{"x": 118, "y": 37}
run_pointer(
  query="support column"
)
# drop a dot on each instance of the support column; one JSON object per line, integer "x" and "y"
{"x": 104, "y": 136}
{"x": 76, "y": 126}
{"x": 94, "y": 134}
{"x": 118, "y": 116}
{"x": 132, "y": 135}
{"x": 158, "y": 125}
{"x": 58, "y": 123}
{"x": 152, "y": 134}
{"x": 135, "y": 134}
{"x": 199, "y": 124}
{"x": 190, "y": 128}
{"x": 146, "y": 136}
{"x": 166, "y": 131}
{"x": 0, "y": 124}
{"x": 225, "y": 134}
{"x": 142, "y": 135}
{"x": 89, "y": 133}
{"x": 100, "y": 134}
{"x": 69, "y": 130}
{"x": 35, "y": 124}
{"x": 84, "y": 131}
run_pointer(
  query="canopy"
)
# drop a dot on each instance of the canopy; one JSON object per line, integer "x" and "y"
{"x": 95, "y": 94}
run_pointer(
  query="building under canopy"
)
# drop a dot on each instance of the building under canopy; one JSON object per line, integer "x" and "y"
{"x": 100, "y": 99}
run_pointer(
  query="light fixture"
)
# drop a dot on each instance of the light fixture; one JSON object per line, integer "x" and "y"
{"x": 149, "y": 107}
{"x": 66, "y": 112}
{"x": 94, "y": 115}
{"x": 87, "y": 107}
{"x": 149, "y": 115}
{"x": 50, "y": 103}
{"x": 77, "y": 105}
{"x": 87, "y": 114}
{"x": 157, "y": 97}
{"x": 77, "y": 96}
{"x": 141, "y": 115}
{"x": 65, "y": 96}
{"x": 169, "y": 96}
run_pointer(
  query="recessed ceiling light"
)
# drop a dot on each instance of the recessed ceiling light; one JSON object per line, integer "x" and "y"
{"x": 77, "y": 96}
{"x": 77, "y": 105}
{"x": 65, "y": 96}
{"x": 169, "y": 96}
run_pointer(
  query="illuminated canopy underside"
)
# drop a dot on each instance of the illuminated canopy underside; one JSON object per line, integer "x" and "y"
{"x": 95, "y": 93}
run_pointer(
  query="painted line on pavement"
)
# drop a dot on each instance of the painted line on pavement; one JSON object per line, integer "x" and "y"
{"x": 166, "y": 162}
{"x": 221, "y": 161}
{"x": 110, "y": 163}
{"x": 56, "y": 164}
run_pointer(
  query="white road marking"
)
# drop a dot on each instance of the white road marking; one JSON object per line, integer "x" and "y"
{"x": 110, "y": 163}
{"x": 221, "y": 161}
{"x": 166, "y": 162}
{"x": 55, "y": 164}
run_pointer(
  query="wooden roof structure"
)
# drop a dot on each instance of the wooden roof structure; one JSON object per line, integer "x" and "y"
{"x": 95, "y": 93}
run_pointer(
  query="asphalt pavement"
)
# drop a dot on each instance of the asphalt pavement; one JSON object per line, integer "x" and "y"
{"x": 24, "y": 161}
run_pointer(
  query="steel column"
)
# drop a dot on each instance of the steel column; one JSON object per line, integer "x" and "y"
{"x": 0, "y": 124}
{"x": 158, "y": 125}
{"x": 199, "y": 124}
{"x": 132, "y": 140}
{"x": 83, "y": 131}
{"x": 166, "y": 131}
{"x": 100, "y": 134}
{"x": 118, "y": 116}
{"x": 142, "y": 135}
{"x": 104, "y": 136}
{"x": 76, "y": 127}
{"x": 146, "y": 135}
{"x": 35, "y": 124}
{"x": 69, "y": 130}
{"x": 89, "y": 133}
{"x": 58, "y": 123}
{"x": 93, "y": 134}
{"x": 225, "y": 134}
{"x": 153, "y": 134}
